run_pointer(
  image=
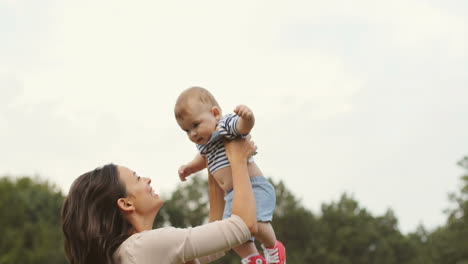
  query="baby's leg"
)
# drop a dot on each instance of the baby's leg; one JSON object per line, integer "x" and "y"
{"x": 247, "y": 249}
{"x": 273, "y": 250}
{"x": 266, "y": 234}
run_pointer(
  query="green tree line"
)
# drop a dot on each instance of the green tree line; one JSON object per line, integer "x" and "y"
{"x": 343, "y": 232}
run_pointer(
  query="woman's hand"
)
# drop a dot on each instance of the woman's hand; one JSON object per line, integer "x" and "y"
{"x": 241, "y": 148}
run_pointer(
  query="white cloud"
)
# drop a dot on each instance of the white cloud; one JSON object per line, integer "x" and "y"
{"x": 416, "y": 27}
{"x": 332, "y": 83}
{"x": 164, "y": 48}
{"x": 11, "y": 88}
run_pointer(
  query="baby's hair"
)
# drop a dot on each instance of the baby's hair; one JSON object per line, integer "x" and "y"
{"x": 196, "y": 93}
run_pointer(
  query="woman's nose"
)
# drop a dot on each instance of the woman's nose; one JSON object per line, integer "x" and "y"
{"x": 148, "y": 180}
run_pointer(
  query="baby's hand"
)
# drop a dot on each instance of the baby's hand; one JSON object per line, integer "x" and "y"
{"x": 244, "y": 112}
{"x": 184, "y": 172}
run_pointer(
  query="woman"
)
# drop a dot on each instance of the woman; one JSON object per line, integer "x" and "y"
{"x": 109, "y": 213}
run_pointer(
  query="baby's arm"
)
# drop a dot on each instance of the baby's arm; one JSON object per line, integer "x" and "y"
{"x": 197, "y": 164}
{"x": 246, "y": 119}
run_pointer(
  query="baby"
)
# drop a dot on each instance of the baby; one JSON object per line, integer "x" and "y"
{"x": 200, "y": 116}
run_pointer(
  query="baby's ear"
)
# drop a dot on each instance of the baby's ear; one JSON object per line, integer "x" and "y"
{"x": 216, "y": 112}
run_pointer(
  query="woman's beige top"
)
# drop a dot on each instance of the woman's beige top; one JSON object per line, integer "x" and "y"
{"x": 171, "y": 245}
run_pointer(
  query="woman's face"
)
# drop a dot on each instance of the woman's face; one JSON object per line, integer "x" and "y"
{"x": 139, "y": 191}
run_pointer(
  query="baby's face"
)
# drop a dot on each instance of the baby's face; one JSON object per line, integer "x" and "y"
{"x": 199, "y": 123}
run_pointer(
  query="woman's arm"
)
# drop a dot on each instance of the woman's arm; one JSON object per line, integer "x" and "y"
{"x": 238, "y": 152}
{"x": 216, "y": 197}
{"x": 180, "y": 245}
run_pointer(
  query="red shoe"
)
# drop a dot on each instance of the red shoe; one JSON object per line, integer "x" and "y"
{"x": 257, "y": 259}
{"x": 276, "y": 254}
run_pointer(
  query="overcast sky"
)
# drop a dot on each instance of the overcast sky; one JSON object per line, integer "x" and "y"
{"x": 365, "y": 97}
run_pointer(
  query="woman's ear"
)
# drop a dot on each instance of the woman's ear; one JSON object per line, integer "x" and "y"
{"x": 125, "y": 205}
{"x": 216, "y": 112}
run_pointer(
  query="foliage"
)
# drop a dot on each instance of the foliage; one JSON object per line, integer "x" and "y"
{"x": 343, "y": 232}
{"x": 350, "y": 234}
{"x": 187, "y": 206}
{"x": 449, "y": 244}
{"x": 30, "y": 222}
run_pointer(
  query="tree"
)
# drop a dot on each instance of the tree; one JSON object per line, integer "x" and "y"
{"x": 294, "y": 225}
{"x": 347, "y": 233}
{"x": 343, "y": 233}
{"x": 419, "y": 240}
{"x": 187, "y": 206}
{"x": 30, "y": 222}
{"x": 449, "y": 244}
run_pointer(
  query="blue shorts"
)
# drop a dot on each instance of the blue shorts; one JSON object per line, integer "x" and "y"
{"x": 265, "y": 199}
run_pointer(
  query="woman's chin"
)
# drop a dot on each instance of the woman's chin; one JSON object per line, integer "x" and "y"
{"x": 158, "y": 204}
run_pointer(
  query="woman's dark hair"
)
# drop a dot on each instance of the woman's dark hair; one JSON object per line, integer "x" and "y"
{"x": 92, "y": 224}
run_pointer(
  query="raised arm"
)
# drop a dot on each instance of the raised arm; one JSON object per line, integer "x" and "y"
{"x": 216, "y": 198}
{"x": 238, "y": 152}
{"x": 246, "y": 119}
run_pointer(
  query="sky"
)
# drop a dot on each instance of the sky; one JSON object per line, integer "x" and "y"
{"x": 362, "y": 97}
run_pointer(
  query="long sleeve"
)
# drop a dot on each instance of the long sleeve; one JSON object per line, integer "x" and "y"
{"x": 211, "y": 258}
{"x": 178, "y": 245}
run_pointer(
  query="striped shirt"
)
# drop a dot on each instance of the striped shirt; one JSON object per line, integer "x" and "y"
{"x": 214, "y": 149}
